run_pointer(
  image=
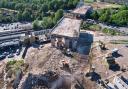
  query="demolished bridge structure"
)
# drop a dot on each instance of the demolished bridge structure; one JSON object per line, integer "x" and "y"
{"x": 66, "y": 33}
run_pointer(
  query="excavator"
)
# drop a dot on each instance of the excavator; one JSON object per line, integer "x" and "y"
{"x": 65, "y": 64}
{"x": 102, "y": 45}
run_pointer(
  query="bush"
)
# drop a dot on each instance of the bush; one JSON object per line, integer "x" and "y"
{"x": 89, "y": 26}
{"x": 110, "y": 31}
{"x": 11, "y": 62}
{"x": 117, "y": 17}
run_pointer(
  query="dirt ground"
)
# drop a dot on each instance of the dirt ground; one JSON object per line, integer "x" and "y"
{"x": 103, "y": 5}
{"x": 48, "y": 58}
{"x": 1, "y": 76}
{"x": 102, "y": 66}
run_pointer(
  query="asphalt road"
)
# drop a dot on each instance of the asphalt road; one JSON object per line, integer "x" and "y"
{"x": 110, "y": 38}
{"x": 13, "y": 32}
{"x": 120, "y": 29}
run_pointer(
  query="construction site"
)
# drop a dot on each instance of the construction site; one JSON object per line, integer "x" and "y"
{"x": 72, "y": 58}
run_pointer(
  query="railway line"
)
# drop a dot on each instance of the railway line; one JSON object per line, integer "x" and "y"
{"x": 17, "y": 34}
{"x": 14, "y": 32}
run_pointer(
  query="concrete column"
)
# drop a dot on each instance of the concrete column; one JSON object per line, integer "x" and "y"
{"x": 53, "y": 42}
{"x": 60, "y": 42}
{"x": 67, "y": 42}
{"x": 74, "y": 44}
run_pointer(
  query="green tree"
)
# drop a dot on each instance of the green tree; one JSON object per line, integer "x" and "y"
{"x": 30, "y": 10}
{"x": 44, "y": 23}
{"x": 1, "y": 18}
{"x": 70, "y": 4}
{"x": 75, "y": 2}
{"x": 58, "y": 14}
{"x": 35, "y": 25}
{"x": 120, "y": 18}
{"x": 106, "y": 16}
{"x": 19, "y": 6}
{"x": 19, "y": 16}
{"x": 4, "y": 3}
{"x": 50, "y": 22}
{"x": 44, "y": 8}
{"x": 124, "y": 7}
{"x": 26, "y": 15}
{"x": 95, "y": 15}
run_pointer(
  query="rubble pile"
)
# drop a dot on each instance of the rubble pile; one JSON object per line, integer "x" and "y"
{"x": 50, "y": 59}
{"x": 48, "y": 80}
{"x": 51, "y": 68}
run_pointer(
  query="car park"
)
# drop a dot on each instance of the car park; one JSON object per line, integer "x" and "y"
{"x": 17, "y": 52}
{"x": 10, "y": 55}
{"x": 6, "y": 53}
{"x": 2, "y": 57}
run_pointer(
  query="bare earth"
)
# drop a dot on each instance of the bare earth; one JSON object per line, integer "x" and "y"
{"x": 48, "y": 58}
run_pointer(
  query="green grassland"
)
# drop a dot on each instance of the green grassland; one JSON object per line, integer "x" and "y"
{"x": 88, "y": 1}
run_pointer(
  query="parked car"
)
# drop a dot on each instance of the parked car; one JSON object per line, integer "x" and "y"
{"x": 2, "y": 57}
{"x": 10, "y": 55}
{"x": 6, "y": 53}
{"x": 17, "y": 52}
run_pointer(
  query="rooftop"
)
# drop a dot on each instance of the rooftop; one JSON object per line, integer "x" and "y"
{"x": 68, "y": 27}
{"x": 81, "y": 10}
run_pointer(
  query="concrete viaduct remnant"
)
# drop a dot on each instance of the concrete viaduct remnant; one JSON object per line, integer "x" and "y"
{"x": 66, "y": 33}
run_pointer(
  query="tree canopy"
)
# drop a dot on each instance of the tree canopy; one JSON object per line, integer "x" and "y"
{"x": 117, "y": 17}
{"x": 30, "y": 10}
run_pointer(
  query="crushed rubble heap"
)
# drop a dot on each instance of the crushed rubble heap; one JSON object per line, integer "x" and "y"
{"x": 48, "y": 70}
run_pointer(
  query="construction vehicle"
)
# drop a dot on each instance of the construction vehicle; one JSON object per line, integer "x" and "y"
{"x": 65, "y": 63}
{"x": 102, "y": 45}
{"x": 68, "y": 53}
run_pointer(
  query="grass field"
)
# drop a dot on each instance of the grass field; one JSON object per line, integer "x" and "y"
{"x": 88, "y": 1}
{"x": 103, "y": 5}
{"x": 119, "y": 42}
{"x": 88, "y": 26}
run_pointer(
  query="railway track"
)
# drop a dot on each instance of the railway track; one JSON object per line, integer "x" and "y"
{"x": 17, "y": 34}
{"x": 14, "y": 32}
{"x": 9, "y": 35}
